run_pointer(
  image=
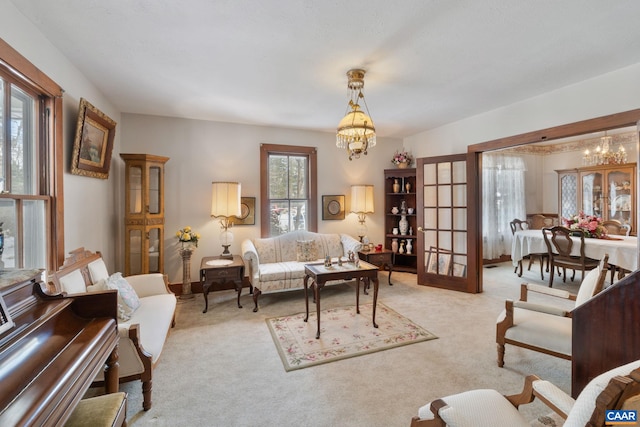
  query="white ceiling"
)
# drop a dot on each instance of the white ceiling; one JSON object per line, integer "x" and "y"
{"x": 283, "y": 63}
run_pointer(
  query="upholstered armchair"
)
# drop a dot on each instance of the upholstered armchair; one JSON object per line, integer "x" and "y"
{"x": 618, "y": 388}
{"x": 543, "y": 327}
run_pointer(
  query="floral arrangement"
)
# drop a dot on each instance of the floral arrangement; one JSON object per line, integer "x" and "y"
{"x": 187, "y": 235}
{"x": 589, "y": 225}
{"x": 401, "y": 157}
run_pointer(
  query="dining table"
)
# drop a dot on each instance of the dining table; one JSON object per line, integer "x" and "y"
{"x": 622, "y": 250}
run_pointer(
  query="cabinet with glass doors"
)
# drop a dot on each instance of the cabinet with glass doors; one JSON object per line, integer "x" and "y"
{"x": 144, "y": 213}
{"x": 606, "y": 191}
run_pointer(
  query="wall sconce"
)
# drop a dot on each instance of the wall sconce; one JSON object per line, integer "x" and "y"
{"x": 225, "y": 203}
{"x": 362, "y": 204}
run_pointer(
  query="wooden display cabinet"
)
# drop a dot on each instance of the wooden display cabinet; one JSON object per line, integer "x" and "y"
{"x": 144, "y": 213}
{"x": 406, "y": 191}
{"x": 607, "y": 191}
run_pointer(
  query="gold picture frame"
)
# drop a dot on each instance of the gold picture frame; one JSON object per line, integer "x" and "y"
{"x": 247, "y": 210}
{"x": 93, "y": 142}
{"x": 333, "y": 207}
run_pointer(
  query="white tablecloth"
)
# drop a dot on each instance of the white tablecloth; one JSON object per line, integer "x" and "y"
{"x": 623, "y": 253}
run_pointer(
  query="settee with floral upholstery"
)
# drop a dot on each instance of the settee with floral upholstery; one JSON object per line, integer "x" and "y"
{"x": 276, "y": 264}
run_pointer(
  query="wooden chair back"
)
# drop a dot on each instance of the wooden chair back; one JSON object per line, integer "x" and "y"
{"x": 614, "y": 227}
{"x": 538, "y": 222}
{"x": 618, "y": 391}
{"x": 518, "y": 225}
{"x": 559, "y": 243}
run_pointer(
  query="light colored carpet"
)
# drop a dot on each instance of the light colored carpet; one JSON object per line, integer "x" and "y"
{"x": 222, "y": 369}
{"x": 343, "y": 334}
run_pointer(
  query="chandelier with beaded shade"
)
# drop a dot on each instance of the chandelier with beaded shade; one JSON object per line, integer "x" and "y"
{"x": 356, "y": 132}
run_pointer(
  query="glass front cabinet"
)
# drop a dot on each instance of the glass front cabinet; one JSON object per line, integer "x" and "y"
{"x": 144, "y": 213}
{"x": 607, "y": 191}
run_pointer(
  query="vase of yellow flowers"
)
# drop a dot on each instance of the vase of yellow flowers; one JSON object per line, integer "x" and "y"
{"x": 188, "y": 242}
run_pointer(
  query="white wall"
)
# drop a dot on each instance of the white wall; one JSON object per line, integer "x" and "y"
{"x": 91, "y": 205}
{"x": 203, "y": 151}
{"x": 609, "y": 93}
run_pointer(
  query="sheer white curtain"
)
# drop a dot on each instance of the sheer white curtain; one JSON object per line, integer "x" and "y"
{"x": 503, "y": 199}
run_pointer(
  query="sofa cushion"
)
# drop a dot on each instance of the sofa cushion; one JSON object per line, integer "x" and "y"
{"x": 128, "y": 301}
{"x": 541, "y": 330}
{"x": 73, "y": 283}
{"x": 154, "y": 316}
{"x": 329, "y": 244}
{"x": 306, "y": 251}
{"x": 281, "y": 271}
{"x": 98, "y": 271}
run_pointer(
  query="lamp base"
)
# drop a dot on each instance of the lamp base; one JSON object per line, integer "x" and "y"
{"x": 226, "y": 253}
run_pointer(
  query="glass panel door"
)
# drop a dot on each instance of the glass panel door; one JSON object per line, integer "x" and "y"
{"x": 442, "y": 258}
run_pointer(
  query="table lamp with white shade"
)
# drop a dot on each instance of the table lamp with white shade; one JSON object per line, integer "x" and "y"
{"x": 362, "y": 204}
{"x": 225, "y": 203}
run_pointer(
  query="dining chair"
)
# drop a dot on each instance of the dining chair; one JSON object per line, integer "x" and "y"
{"x": 559, "y": 247}
{"x": 539, "y": 221}
{"x": 614, "y": 226}
{"x": 520, "y": 225}
{"x": 615, "y": 389}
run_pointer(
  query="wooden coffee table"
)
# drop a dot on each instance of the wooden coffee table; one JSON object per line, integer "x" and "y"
{"x": 320, "y": 274}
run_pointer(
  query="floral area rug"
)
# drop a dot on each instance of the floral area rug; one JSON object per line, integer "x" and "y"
{"x": 343, "y": 334}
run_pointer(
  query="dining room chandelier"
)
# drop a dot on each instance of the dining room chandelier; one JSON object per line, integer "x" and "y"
{"x": 604, "y": 153}
{"x": 356, "y": 132}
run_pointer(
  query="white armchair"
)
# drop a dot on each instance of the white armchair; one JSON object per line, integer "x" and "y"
{"x": 618, "y": 388}
{"x": 544, "y": 328}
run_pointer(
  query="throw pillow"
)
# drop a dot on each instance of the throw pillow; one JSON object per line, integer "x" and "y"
{"x": 306, "y": 251}
{"x": 128, "y": 300}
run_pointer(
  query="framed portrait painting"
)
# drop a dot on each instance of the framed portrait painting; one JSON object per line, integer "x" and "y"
{"x": 333, "y": 207}
{"x": 93, "y": 142}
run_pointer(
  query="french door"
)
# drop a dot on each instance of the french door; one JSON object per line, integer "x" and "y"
{"x": 445, "y": 258}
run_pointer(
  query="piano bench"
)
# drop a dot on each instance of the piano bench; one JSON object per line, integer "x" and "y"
{"x": 108, "y": 410}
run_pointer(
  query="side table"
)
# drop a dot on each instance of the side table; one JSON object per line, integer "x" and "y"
{"x": 214, "y": 269}
{"x": 382, "y": 259}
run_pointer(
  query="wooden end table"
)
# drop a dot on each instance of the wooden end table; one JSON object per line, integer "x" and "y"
{"x": 320, "y": 274}
{"x": 215, "y": 269}
{"x": 382, "y": 258}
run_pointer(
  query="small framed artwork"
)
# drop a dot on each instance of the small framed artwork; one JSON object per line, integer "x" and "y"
{"x": 93, "y": 142}
{"x": 439, "y": 263}
{"x": 332, "y": 207}
{"x": 459, "y": 270}
{"x": 247, "y": 212}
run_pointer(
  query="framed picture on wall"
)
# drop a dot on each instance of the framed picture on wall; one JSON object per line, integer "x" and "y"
{"x": 333, "y": 207}
{"x": 93, "y": 142}
{"x": 247, "y": 212}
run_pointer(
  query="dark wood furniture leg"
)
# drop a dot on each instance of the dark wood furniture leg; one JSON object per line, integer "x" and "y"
{"x": 111, "y": 382}
{"x": 375, "y": 299}
{"x": 205, "y": 292}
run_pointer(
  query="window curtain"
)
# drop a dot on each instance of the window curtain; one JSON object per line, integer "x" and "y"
{"x": 503, "y": 195}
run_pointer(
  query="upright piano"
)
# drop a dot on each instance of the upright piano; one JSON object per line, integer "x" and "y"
{"x": 51, "y": 348}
